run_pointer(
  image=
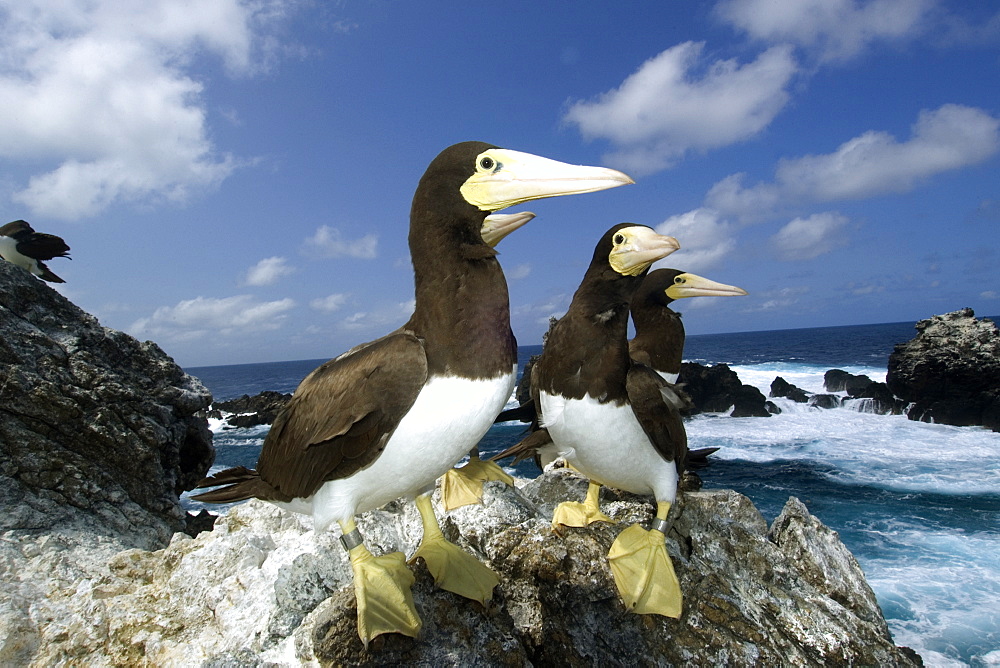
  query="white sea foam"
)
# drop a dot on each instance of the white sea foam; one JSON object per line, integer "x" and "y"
{"x": 887, "y": 451}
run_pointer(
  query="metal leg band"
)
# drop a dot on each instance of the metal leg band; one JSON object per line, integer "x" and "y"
{"x": 660, "y": 525}
{"x": 351, "y": 540}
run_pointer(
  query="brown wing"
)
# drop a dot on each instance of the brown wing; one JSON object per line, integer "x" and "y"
{"x": 656, "y": 405}
{"x": 43, "y": 246}
{"x": 342, "y": 415}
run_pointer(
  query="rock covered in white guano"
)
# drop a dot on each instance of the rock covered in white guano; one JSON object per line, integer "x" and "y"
{"x": 264, "y": 589}
{"x": 950, "y": 372}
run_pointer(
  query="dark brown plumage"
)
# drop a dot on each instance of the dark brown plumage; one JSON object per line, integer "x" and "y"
{"x": 30, "y": 250}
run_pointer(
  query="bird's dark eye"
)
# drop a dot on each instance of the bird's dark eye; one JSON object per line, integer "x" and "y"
{"x": 487, "y": 163}
{"x": 678, "y": 280}
{"x": 619, "y": 239}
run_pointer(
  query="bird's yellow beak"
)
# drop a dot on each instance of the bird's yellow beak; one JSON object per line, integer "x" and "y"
{"x": 504, "y": 178}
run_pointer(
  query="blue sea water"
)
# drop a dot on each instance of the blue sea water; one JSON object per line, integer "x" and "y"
{"x": 918, "y": 504}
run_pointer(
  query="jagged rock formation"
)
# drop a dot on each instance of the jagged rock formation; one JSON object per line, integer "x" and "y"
{"x": 98, "y": 437}
{"x": 782, "y": 388}
{"x": 838, "y": 380}
{"x": 717, "y": 388}
{"x": 262, "y": 588}
{"x": 94, "y": 425}
{"x": 950, "y": 372}
{"x": 247, "y": 411}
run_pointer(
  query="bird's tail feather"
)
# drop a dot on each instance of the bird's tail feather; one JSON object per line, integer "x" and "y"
{"x": 240, "y": 484}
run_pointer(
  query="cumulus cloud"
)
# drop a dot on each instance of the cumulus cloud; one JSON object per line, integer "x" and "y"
{"x": 705, "y": 239}
{"x": 329, "y": 303}
{"x": 874, "y": 163}
{"x": 835, "y": 30}
{"x": 268, "y": 271}
{"x": 806, "y": 238}
{"x": 328, "y": 242}
{"x": 519, "y": 272}
{"x": 107, "y": 108}
{"x": 194, "y": 318}
{"x": 676, "y": 102}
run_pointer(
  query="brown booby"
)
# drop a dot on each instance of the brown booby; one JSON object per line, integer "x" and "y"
{"x": 659, "y": 332}
{"x": 21, "y": 245}
{"x": 387, "y": 418}
{"x": 613, "y": 419}
{"x": 462, "y": 486}
{"x": 658, "y": 343}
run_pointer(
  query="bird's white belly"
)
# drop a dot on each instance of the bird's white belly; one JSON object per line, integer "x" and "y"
{"x": 9, "y": 252}
{"x": 448, "y": 419}
{"x": 606, "y": 443}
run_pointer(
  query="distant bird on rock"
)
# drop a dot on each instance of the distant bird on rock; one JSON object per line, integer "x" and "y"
{"x": 21, "y": 245}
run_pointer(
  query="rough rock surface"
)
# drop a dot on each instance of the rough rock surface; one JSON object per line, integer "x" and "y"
{"x": 717, "y": 388}
{"x": 264, "y": 589}
{"x": 950, "y": 372}
{"x": 247, "y": 411}
{"x": 838, "y": 380}
{"x": 95, "y": 426}
{"x": 782, "y": 388}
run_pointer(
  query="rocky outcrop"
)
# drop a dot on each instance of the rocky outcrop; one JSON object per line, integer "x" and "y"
{"x": 98, "y": 432}
{"x": 950, "y": 372}
{"x": 264, "y": 589}
{"x": 717, "y": 388}
{"x": 838, "y": 380}
{"x": 824, "y": 401}
{"x": 782, "y": 388}
{"x": 247, "y": 411}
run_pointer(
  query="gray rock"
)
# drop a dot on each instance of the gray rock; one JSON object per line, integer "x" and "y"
{"x": 950, "y": 372}
{"x": 98, "y": 432}
{"x": 264, "y": 589}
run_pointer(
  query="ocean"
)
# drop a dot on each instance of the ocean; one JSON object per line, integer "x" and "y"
{"x": 918, "y": 504}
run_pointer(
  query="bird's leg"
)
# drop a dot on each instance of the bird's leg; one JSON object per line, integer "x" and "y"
{"x": 382, "y": 587}
{"x": 453, "y": 568}
{"x": 464, "y": 486}
{"x": 643, "y": 571}
{"x": 573, "y": 514}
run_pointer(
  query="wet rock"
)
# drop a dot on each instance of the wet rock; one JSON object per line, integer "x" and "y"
{"x": 824, "y": 401}
{"x": 838, "y": 380}
{"x": 950, "y": 372}
{"x": 717, "y": 388}
{"x": 782, "y": 388}
{"x": 247, "y": 411}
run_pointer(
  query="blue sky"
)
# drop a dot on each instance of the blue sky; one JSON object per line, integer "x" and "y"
{"x": 234, "y": 178}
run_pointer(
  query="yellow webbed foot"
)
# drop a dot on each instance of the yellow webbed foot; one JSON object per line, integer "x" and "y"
{"x": 453, "y": 568}
{"x": 573, "y": 514}
{"x": 464, "y": 486}
{"x": 382, "y": 587}
{"x": 644, "y": 573}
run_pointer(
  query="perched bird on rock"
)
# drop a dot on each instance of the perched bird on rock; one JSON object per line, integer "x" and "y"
{"x": 613, "y": 419}
{"x": 30, "y": 250}
{"x": 387, "y": 418}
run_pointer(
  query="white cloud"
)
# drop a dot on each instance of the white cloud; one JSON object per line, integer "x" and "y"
{"x": 380, "y": 321}
{"x": 329, "y": 303}
{"x": 328, "y": 243}
{"x": 874, "y": 163}
{"x": 777, "y": 300}
{"x": 107, "y": 108}
{"x": 268, "y": 271}
{"x": 704, "y": 239}
{"x": 195, "y": 318}
{"x": 806, "y": 238}
{"x": 833, "y": 29}
{"x": 518, "y": 273}
{"x": 675, "y": 103}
